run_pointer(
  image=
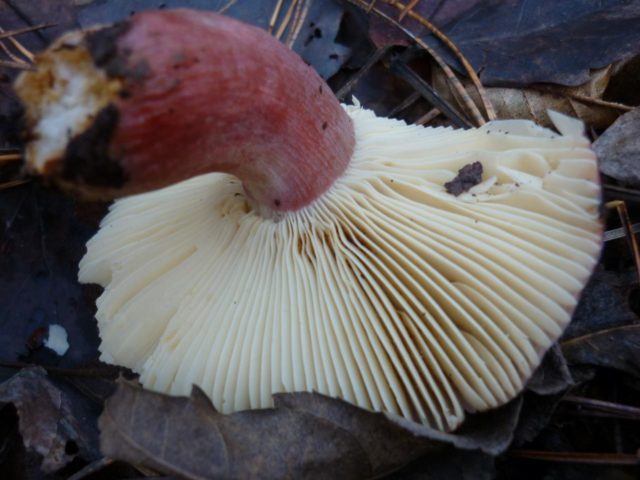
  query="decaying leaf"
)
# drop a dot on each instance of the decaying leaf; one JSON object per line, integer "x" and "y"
{"x": 533, "y": 102}
{"x": 618, "y": 149}
{"x": 518, "y": 42}
{"x": 306, "y": 435}
{"x": 47, "y": 422}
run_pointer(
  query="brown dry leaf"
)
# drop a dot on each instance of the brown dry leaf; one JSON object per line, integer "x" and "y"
{"x": 306, "y": 436}
{"x": 533, "y": 102}
{"x": 46, "y": 421}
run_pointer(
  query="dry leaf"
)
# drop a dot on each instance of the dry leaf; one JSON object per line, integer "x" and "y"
{"x": 47, "y": 423}
{"x": 533, "y": 102}
{"x": 618, "y": 149}
{"x": 306, "y": 435}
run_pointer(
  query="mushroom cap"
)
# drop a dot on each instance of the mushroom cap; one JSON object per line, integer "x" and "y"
{"x": 386, "y": 291}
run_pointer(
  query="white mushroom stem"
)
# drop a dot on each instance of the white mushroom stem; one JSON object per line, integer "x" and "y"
{"x": 386, "y": 291}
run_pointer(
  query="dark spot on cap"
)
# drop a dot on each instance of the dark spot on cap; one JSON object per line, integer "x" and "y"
{"x": 468, "y": 176}
{"x": 334, "y": 56}
{"x": 320, "y": 89}
{"x": 88, "y": 158}
{"x": 103, "y": 47}
{"x": 324, "y": 125}
{"x": 276, "y": 202}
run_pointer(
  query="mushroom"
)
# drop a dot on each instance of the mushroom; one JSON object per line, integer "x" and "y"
{"x": 279, "y": 241}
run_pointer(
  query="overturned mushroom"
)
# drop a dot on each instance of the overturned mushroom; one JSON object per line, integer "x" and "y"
{"x": 418, "y": 271}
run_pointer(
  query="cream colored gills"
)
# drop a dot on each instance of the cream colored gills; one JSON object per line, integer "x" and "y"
{"x": 387, "y": 291}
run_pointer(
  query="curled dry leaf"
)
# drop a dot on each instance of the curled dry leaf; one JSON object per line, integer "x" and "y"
{"x": 618, "y": 149}
{"x": 46, "y": 420}
{"x": 583, "y": 101}
{"x": 306, "y": 435}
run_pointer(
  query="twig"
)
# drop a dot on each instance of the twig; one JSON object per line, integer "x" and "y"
{"x": 455, "y": 82}
{"x": 406, "y": 9}
{"x": 15, "y": 65}
{"x": 91, "y": 372}
{"x": 406, "y": 103}
{"x": 10, "y": 157}
{"x": 11, "y": 55}
{"x": 623, "y": 213}
{"x": 301, "y": 14}
{"x": 612, "y": 409}
{"x": 229, "y": 4}
{"x": 286, "y": 19}
{"x": 622, "y": 191}
{"x": 21, "y": 48}
{"x": 581, "y": 98}
{"x": 579, "y": 457}
{"x": 411, "y": 77}
{"x": 20, "y": 31}
{"x": 371, "y": 61}
{"x": 616, "y": 233}
{"x": 428, "y": 117}
{"x": 274, "y": 16}
{"x": 92, "y": 468}
{"x": 13, "y": 183}
{"x": 491, "y": 114}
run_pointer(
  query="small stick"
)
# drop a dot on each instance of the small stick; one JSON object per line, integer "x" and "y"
{"x": 411, "y": 77}
{"x": 428, "y": 117}
{"x": 21, "y": 48}
{"x": 20, "y": 31}
{"x": 371, "y": 61}
{"x": 92, "y": 468}
{"x": 581, "y": 98}
{"x": 406, "y": 103}
{"x": 616, "y": 233}
{"x": 11, "y": 55}
{"x": 617, "y": 409}
{"x": 13, "y": 183}
{"x": 579, "y": 457}
{"x": 406, "y": 9}
{"x": 91, "y": 372}
{"x": 274, "y": 16}
{"x": 15, "y": 65}
{"x": 301, "y": 15}
{"x": 10, "y": 157}
{"x": 623, "y": 213}
{"x": 229, "y": 4}
{"x": 286, "y": 19}
{"x": 622, "y": 191}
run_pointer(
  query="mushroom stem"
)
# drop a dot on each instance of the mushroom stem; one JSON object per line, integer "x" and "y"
{"x": 195, "y": 92}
